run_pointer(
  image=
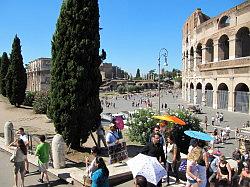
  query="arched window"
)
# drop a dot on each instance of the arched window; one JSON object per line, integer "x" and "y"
{"x": 223, "y": 52}
{"x": 210, "y": 51}
{"x": 198, "y": 53}
{"x": 192, "y": 59}
{"x": 242, "y": 42}
{"x": 224, "y": 22}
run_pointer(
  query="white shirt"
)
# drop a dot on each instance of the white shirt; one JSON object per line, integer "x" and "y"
{"x": 24, "y": 137}
{"x": 111, "y": 137}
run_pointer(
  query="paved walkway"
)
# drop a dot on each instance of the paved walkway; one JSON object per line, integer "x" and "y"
{"x": 7, "y": 177}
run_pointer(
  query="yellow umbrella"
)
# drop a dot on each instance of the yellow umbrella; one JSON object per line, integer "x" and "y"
{"x": 164, "y": 118}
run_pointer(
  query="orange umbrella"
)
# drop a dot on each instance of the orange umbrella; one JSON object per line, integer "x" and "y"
{"x": 177, "y": 120}
{"x": 164, "y": 118}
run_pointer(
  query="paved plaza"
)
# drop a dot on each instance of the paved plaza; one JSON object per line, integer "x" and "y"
{"x": 233, "y": 119}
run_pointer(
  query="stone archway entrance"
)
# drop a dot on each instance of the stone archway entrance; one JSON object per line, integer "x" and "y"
{"x": 209, "y": 95}
{"x": 191, "y": 93}
{"x": 241, "y": 98}
{"x": 222, "y": 96}
{"x": 199, "y": 93}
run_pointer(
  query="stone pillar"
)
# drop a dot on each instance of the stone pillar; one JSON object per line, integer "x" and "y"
{"x": 215, "y": 94}
{"x": 188, "y": 92}
{"x": 203, "y": 60}
{"x": 8, "y": 133}
{"x": 203, "y": 97}
{"x": 58, "y": 151}
{"x": 216, "y": 51}
{"x": 232, "y": 48}
{"x": 231, "y": 101}
{"x": 195, "y": 96}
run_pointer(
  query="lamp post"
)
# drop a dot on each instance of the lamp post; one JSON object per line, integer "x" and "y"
{"x": 162, "y": 53}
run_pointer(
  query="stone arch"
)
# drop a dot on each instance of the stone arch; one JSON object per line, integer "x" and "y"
{"x": 209, "y": 50}
{"x": 199, "y": 93}
{"x": 192, "y": 59}
{"x": 224, "y": 22}
{"x": 242, "y": 45}
{"x": 198, "y": 53}
{"x": 222, "y": 96}
{"x": 241, "y": 98}
{"x": 223, "y": 50}
{"x": 191, "y": 92}
{"x": 209, "y": 95}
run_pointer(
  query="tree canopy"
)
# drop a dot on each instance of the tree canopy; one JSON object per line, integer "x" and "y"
{"x": 75, "y": 77}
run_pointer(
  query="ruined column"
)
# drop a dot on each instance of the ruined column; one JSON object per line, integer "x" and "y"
{"x": 8, "y": 133}
{"x": 58, "y": 153}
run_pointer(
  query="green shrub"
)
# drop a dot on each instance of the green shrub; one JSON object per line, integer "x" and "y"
{"x": 121, "y": 89}
{"x": 40, "y": 104}
{"x": 29, "y": 98}
{"x": 141, "y": 123}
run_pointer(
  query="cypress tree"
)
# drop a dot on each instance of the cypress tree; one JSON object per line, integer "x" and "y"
{"x": 16, "y": 76}
{"x": 75, "y": 77}
{"x": 3, "y": 71}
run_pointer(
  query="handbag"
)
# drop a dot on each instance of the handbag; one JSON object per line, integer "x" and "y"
{"x": 13, "y": 158}
{"x": 183, "y": 166}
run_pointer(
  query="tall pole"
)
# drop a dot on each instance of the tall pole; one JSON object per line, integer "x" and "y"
{"x": 162, "y": 53}
{"x": 159, "y": 86}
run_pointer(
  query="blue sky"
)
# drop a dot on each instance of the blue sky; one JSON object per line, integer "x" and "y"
{"x": 133, "y": 30}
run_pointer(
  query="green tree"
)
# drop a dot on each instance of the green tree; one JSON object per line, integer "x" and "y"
{"x": 74, "y": 104}
{"x": 138, "y": 74}
{"x": 3, "y": 71}
{"x": 16, "y": 76}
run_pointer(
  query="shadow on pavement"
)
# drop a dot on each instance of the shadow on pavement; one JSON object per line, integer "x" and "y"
{"x": 53, "y": 183}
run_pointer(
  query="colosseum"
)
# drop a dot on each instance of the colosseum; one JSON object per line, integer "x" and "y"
{"x": 216, "y": 59}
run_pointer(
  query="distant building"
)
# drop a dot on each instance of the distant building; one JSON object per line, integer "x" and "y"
{"x": 112, "y": 72}
{"x": 38, "y": 75}
{"x": 216, "y": 59}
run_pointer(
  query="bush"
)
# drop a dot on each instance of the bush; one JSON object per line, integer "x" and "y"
{"x": 40, "y": 104}
{"x": 130, "y": 88}
{"x": 121, "y": 89}
{"x": 29, "y": 98}
{"x": 141, "y": 123}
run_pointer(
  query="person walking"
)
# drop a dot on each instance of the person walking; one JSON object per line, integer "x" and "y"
{"x": 155, "y": 149}
{"x": 173, "y": 159}
{"x": 43, "y": 151}
{"x": 22, "y": 135}
{"x": 224, "y": 172}
{"x": 192, "y": 174}
{"x": 100, "y": 176}
{"x": 18, "y": 158}
{"x": 202, "y": 163}
{"x": 100, "y": 132}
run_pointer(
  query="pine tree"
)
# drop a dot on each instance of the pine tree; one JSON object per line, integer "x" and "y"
{"x": 138, "y": 74}
{"x": 75, "y": 77}
{"x": 16, "y": 76}
{"x": 3, "y": 71}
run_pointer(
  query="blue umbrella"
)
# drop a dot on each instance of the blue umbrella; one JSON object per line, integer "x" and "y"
{"x": 199, "y": 135}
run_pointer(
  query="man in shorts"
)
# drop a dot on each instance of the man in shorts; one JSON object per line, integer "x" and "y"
{"x": 43, "y": 151}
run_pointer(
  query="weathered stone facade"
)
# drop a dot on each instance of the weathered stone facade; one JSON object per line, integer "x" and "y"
{"x": 38, "y": 75}
{"x": 216, "y": 59}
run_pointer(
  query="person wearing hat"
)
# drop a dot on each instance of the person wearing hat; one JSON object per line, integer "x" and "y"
{"x": 112, "y": 136}
{"x": 224, "y": 172}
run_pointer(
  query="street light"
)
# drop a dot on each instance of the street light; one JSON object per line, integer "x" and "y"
{"x": 162, "y": 53}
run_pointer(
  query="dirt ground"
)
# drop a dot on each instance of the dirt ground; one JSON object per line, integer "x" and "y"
{"x": 38, "y": 124}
